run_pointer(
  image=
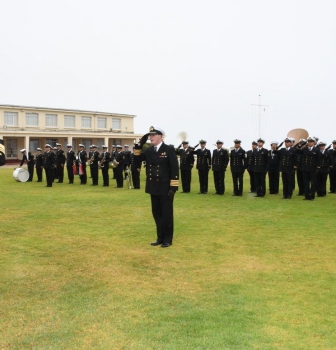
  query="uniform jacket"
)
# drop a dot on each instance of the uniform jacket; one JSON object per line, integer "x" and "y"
{"x": 310, "y": 159}
{"x": 162, "y": 170}
{"x": 237, "y": 160}
{"x": 325, "y": 162}
{"x": 127, "y": 158}
{"x": 273, "y": 162}
{"x": 60, "y": 157}
{"x": 332, "y": 153}
{"x": 39, "y": 160}
{"x": 82, "y": 157}
{"x": 71, "y": 158}
{"x": 287, "y": 159}
{"x": 135, "y": 162}
{"x": 249, "y": 160}
{"x": 49, "y": 160}
{"x": 260, "y": 160}
{"x": 220, "y": 159}
{"x": 29, "y": 159}
{"x": 203, "y": 159}
{"x": 105, "y": 156}
{"x": 186, "y": 158}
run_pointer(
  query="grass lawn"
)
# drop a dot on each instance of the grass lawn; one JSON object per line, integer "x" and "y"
{"x": 77, "y": 270}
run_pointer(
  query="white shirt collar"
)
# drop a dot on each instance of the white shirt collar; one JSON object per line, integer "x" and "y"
{"x": 158, "y": 146}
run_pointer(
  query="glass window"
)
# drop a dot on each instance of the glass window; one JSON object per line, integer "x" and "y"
{"x": 11, "y": 118}
{"x": 116, "y": 124}
{"x": 86, "y": 122}
{"x": 32, "y": 119}
{"x": 87, "y": 143}
{"x": 11, "y": 149}
{"x": 69, "y": 121}
{"x": 101, "y": 123}
{"x": 33, "y": 145}
{"x": 51, "y": 120}
{"x": 52, "y": 142}
{"x": 100, "y": 143}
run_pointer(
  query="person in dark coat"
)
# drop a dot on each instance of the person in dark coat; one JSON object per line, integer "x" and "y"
{"x": 186, "y": 165}
{"x": 260, "y": 161}
{"x": 237, "y": 166}
{"x": 60, "y": 161}
{"x": 299, "y": 170}
{"x": 332, "y": 174}
{"x": 29, "y": 160}
{"x": 70, "y": 162}
{"x": 127, "y": 160}
{"x": 48, "y": 165}
{"x": 220, "y": 161}
{"x": 162, "y": 177}
{"x": 82, "y": 159}
{"x": 273, "y": 168}
{"x": 39, "y": 164}
{"x": 135, "y": 168}
{"x": 94, "y": 165}
{"x": 203, "y": 165}
{"x": 323, "y": 168}
{"x": 249, "y": 166}
{"x": 119, "y": 160}
{"x": 105, "y": 159}
{"x": 287, "y": 162}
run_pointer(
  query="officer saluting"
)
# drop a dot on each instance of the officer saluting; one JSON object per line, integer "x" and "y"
{"x": 162, "y": 173}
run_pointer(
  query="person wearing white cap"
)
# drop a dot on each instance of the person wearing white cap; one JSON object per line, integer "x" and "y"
{"x": 203, "y": 165}
{"x": 48, "y": 165}
{"x": 162, "y": 174}
{"x": 70, "y": 163}
{"x": 2, "y": 153}
{"x": 39, "y": 164}
{"x": 127, "y": 159}
{"x": 105, "y": 159}
{"x": 273, "y": 167}
{"x": 250, "y": 166}
{"x": 94, "y": 165}
{"x": 59, "y": 162}
{"x": 82, "y": 159}
{"x": 119, "y": 161}
{"x": 325, "y": 162}
{"x": 220, "y": 160}
{"x": 29, "y": 160}
{"x": 332, "y": 174}
{"x": 237, "y": 166}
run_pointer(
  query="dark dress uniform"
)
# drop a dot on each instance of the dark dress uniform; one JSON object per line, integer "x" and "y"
{"x": 186, "y": 165}
{"x": 60, "y": 161}
{"x": 310, "y": 163}
{"x": 260, "y": 161}
{"x": 82, "y": 158}
{"x": 273, "y": 165}
{"x": 325, "y": 162}
{"x": 105, "y": 161}
{"x": 114, "y": 170}
{"x": 287, "y": 163}
{"x": 203, "y": 165}
{"x": 135, "y": 170}
{"x": 127, "y": 161}
{"x": 237, "y": 165}
{"x": 94, "y": 167}
{"x": 39, "y": 166}
{"x": 89, "y": 159}
{"x": 220, "y": 160}
{"x": 332, "y": 174}
{"x": 162, "y": 173}
{"x": 70, "y": 161}
{"x": 120, "y": 158}
{"x": 49, "y": 161}
{"x": 249, "y": 165}
{"x": 299, "y": 173}
{"x": 30, "y": 164}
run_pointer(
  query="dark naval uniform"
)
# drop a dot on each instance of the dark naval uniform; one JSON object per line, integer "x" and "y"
{"x": 105, "y": 161}
{"x": 237, "y": 165}
{"x": 249, "y": 167}
{"x": 60, "y": 161}
{"x": 30, "y": 164}
{"x": 325, "y": 162}
{"x": 82, "y": 158}
{"x": 39, "y": 166}
{"x": 70, "y": 161}
{"x": 220, "y": 160}
{"x": 260, "y": 161}
{"x": 94, "y": 166}
{"x": 332, "y": 174}
{"x": 310, "y": 163}
{"x": 299, "y": 173}
{"x": 127, "y": 161}
{"x": 287, "y": 163}
{"x": 49, "y": 161}
{"x": 186, "y": 165}
{"x": 162, "y": 173}
{"x": 120, "y": 158}
{"x": 273, "y": 165}
{"x": 135, "y": 170}
{"x": 203, "y": 165}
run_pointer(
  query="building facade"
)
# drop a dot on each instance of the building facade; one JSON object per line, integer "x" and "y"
{"x": 33, "y": 127}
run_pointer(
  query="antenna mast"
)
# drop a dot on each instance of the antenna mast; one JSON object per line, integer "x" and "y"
{"x": 259, "y": 116}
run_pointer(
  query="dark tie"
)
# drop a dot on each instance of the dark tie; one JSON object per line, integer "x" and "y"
{"x": 155, "y": 149}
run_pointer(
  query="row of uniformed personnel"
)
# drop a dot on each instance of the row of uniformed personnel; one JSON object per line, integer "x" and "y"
{"x": 309, "y": 159}
{"x": 54, "y": 160}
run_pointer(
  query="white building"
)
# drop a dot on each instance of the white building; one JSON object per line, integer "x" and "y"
{"x": 33, "y": 127}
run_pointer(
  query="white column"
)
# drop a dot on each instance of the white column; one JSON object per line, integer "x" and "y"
{"x": 27, "y": 144}
{"x": 69, "y": 141}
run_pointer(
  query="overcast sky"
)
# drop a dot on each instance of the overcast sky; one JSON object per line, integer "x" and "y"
{"x": 187, "y": 65}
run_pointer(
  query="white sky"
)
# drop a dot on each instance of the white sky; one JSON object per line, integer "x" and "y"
{"x": 187, "y": 65}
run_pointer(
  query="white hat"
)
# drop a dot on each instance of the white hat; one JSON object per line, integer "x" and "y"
{"x": 81, "y": 145}
{"x": 23, "y": 150}
{"x": 156, "y": 130}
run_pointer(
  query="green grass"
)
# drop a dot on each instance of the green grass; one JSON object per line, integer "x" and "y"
{"x": 77, "y": 270}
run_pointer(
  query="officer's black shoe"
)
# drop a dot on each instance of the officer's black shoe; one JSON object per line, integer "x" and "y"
{"x": 156, "y": 243}
{"x": 165, "y": 245}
